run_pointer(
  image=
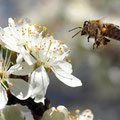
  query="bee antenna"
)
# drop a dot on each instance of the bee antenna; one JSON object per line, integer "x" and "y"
{"x": 76, "y": 34}
{"x": 74, "y": 29}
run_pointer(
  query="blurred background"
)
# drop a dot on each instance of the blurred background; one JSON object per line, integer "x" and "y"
{"x": 99, "y": 70}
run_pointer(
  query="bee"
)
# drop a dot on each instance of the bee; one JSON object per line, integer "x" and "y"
{"x": 101, "y": 32}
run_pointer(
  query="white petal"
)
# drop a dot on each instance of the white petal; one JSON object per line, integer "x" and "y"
{"x": 8, "y": 41}
{"x": 86, "y": 115}
{"x": 11, "y": 21}
{"x": 28, "y": 58}
{"x": 50, "y": 114}
{"x": 66, "y": 78}
{"x": 20, "y": 88}
{"x": 19, "y": 58}
{"x": 64, "y": 110}
{"x": 21, "y": 69}
{"x": 39, "y": 81}
{"x": 3, "y": 97}
{"x": 12, "y": 112}
{"x": 65, "y": 66}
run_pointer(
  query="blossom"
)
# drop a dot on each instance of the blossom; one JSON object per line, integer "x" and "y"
{"x": 18, "y": 34}
{"x": 18, "y": 87}
{"x": 59, "y": 113}
{"x": 85, "y": 115}
{"x": 40, "y": 51}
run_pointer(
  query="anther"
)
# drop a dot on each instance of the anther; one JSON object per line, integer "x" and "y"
{"x": 20, "y": 21}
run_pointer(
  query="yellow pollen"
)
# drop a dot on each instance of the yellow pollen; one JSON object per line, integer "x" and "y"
{"x": 38, "y": 31}
{"x": 57, "y": 111}
{"x": 23, "y": 33}
{"x": 52, "y": 33}
{"x": 89, "y": 116}
{"x": 60, "y": 42}
{"x": 11, "y": 84}
{"x": 30, "y": 24}
{"x": 69, "y": 61}
{"x": 11, "y": 34}
{"x": 20, "y": 21}
{"x": 15, "y": 19}
{"x": 87, "y": 110}
{"x": 35, "y": 25}
{"x": 77, "y": 111}
{"x": 7, "y": 89}
{"x": 17, "y": 30}
{"x": 29, "y": 29}
{"x": 39, "y": 27}
{"x": 76, "y": 116}
{"x": 55, "y": 57}
{"x": 47, "y": 35}
{"x": 44, "y": 28}
{"x": 2, "y": 34}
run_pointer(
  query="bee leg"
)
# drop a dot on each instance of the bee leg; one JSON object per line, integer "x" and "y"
{"x": 88, "y": 38}
{"x": 97, "y": 44}
{"x": 94, "y": 45}
{"x": 105, "y": 41}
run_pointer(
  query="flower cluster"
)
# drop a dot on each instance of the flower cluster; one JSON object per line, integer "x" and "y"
{"x": 62, "y": 113}
{"x": 59, "y": 113}
{"x": 31, "y": 51}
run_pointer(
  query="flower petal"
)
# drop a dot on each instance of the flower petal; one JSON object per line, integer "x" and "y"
{"x": 51, "y": 114}
{"x": 28, "y": 58}
{"x": 8, "y": 40}
{"x": 20, "y": 88}
{"x": 66, "y": 78}
{"x": 65, "y": 66}
{"x": 39, "y": 81}
{"x": 12, "y": 112}
{"x": 21, "y": 69}
{"x": 3, "y": 97}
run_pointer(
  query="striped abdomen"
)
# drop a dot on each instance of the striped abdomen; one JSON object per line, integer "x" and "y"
{"x": 112, "y": 31}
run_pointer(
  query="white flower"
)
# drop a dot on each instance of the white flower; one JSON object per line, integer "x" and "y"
{"x": 17, "y": 35}
{"x": 17, "y": 87}
{"x": 42, "y": 51}
{"x": 61, "y": 113}
{"x": 85, "y": 115}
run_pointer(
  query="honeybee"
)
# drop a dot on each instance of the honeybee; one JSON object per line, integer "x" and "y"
{"x": 100, "y": 31}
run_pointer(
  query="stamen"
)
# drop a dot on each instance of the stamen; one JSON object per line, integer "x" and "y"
{"x": 23, "y": 33}
{"x": 44, "y": 28}
{"x": 2, "y": 34}
{"x": 89, "y": 116}
{"x": 20, "y": 21}
{"x": 7, "y": 89}
{"x": 60, "y": 42}
{"x": 35, "y": 25}
{"x": 77, "y": 111}
{"x": 11, "y": 84}
{"x": 15, "y": 19}
{"x": 30, "y": 24}
{"x": 76, "y": 116}
{"x": 87, "y": 110}
{"x": 57, "y": 111}
{"x": 39, "y": 27}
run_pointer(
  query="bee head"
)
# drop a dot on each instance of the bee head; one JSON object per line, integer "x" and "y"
{"x": 85, "y": 28}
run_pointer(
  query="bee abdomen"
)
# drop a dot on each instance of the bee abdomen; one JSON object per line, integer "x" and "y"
{"x": 113, "y": 31}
